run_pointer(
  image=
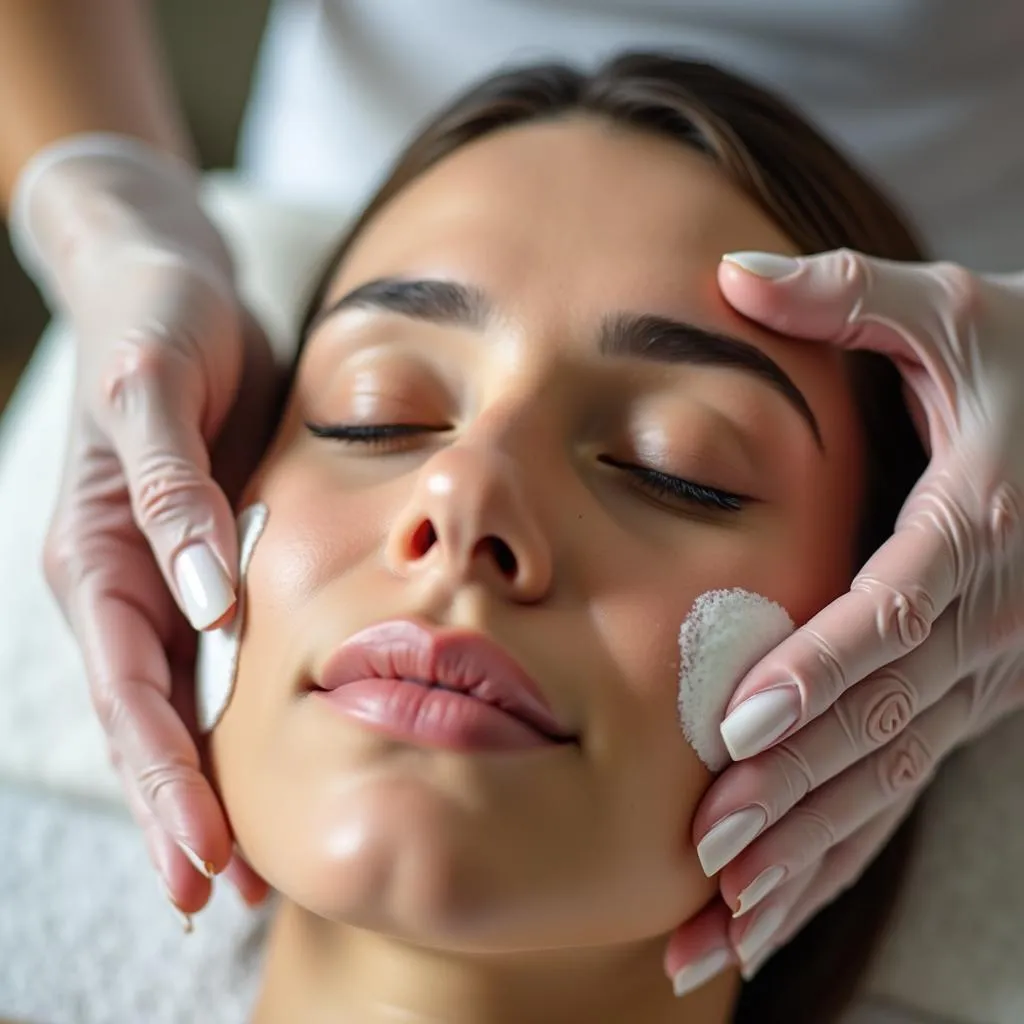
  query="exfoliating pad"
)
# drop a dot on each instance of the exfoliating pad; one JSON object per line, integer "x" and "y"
{"x": 217, "y": 657}
{"x": 726, "y": 633}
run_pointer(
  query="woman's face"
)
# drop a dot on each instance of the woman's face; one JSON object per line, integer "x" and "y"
{"x": 559, "y": 364}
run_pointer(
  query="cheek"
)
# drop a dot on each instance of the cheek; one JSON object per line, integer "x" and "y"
{"x": 315, "y": 535}
{"x": 654, "y": 777}
{"x": 315, "y": 532}
{"x": 817, "y": 559}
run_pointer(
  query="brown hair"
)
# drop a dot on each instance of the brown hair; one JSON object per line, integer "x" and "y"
{"x": 818, "y": 198}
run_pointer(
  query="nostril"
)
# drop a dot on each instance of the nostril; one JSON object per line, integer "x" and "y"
{"x": 424, "y": 538}
{"x": 503, "y": 556}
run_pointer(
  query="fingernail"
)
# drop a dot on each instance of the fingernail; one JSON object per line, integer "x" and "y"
{"x": 729, "y": 837}
{"x": 759, "y": 888}
{"x": 692, "y": 976}
{"x": 749, "y": 971}
{"x": 185, "y": 920}
{"x": 204, "y": 867}
{"x": 764, "y": 264}
{"x": 205, "y": 590}
{"x": 760, "y": 720}
{"x": 765, "y": 925}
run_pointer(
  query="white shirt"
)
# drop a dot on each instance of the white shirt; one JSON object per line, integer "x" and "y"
{"x": 925, "y": 94}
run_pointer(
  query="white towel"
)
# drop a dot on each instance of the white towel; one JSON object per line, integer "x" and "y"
{"x": 87, "y": 936}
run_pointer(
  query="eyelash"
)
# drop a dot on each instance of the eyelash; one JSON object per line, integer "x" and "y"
{"x": 382, "y": 435}
{"x": 662, "y": 485}
{"x": 665, "y": 485}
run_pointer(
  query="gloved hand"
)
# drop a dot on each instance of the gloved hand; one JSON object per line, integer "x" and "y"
{"x": 113, "y": 233}
{"x": 837, "y": 730}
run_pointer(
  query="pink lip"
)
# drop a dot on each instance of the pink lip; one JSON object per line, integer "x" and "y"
{"x": 453, "y": 688}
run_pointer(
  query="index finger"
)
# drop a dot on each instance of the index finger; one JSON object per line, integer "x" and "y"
{"x": 887, "y": 612}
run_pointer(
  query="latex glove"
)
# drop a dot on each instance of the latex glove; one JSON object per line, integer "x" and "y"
{"x": 926, "y": 649}
{"x": 113, "y": 233}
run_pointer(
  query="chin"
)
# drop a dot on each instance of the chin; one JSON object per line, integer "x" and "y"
{"x": 391, "y": 854}
{"x": 404, "y": 857}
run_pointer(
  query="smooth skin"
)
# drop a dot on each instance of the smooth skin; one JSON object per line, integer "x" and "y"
{"x": 68, "y": 67}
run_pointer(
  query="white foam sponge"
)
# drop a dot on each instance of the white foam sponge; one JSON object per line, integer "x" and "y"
{"x": 217, "y": 657}
{"x": 726, "y": 633}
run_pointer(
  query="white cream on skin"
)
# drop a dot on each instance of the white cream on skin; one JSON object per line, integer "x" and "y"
{"x": 217, "y": 657}
{"x": 726, "y": 633}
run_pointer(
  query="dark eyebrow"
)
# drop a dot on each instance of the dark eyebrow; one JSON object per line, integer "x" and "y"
{"x": 636, "y": 335}
{"x": 440, "y": 302}
{"x": 644, "y": 336}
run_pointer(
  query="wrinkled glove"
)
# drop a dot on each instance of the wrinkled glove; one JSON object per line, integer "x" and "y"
{"x": 838, "y": 729}
{"x": 112, "y": 232}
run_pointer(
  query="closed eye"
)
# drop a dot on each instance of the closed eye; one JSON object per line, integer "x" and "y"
{"x": 677, "y": 488}
{"x": 653, "y": 481}
{"x": 374, "y": 434}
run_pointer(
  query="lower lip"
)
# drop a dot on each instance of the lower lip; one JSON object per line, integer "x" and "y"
{"x": 432, "y": 717}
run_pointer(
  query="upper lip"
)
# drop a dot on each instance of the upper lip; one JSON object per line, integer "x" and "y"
{"x": 460, "y": 660}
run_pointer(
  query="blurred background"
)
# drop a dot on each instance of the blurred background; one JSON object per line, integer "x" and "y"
{"x": 211, "y": 49}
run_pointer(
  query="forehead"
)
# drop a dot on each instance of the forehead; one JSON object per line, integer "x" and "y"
{"x": 609, "y": 215}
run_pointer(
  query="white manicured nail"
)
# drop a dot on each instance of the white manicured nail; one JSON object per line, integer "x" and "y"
{"x": 692, "y": 976}
{"x": 184, "y": 920}
{"x": 760, "y": 720}
{"x": 205, "y": 590}
{"x": 759, "y": 888}
{"x": 749, "y": 971}
{"x": 758, "y": 935}
{"x": 764, "y": 264}
{"x": 204, "y": 867}
{"x": 729, "y": 837}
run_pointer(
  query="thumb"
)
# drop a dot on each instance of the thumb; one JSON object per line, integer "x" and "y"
{"x": 843, "y": 297}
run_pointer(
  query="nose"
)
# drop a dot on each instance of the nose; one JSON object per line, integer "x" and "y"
{"x": 470, "y": 519}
